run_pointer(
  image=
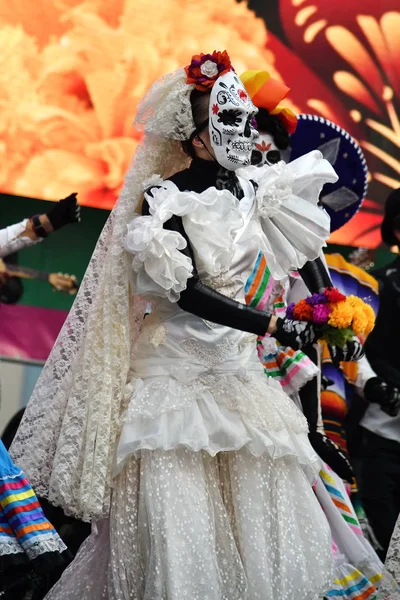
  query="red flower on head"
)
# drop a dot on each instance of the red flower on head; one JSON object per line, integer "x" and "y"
{"x": 215, "y": 109}
{"x": 205, "y": 69}
{"x": 334, "y": 295}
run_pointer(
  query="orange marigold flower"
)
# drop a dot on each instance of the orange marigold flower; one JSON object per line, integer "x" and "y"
{"x": 360, "y": 322}
{"x": 363, "y": 313}
{"x": 341, "y": 315}
{"x": 370, "y": 315}
{"x": 303, "y": 311}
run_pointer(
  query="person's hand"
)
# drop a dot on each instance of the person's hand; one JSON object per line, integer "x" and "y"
{"x": 295, "y": 334}
{"x": 382, "y": 393}
{"x": 64, "y": 212}
{"x": 351, "y": 351}
{"x": 331, "y": 454}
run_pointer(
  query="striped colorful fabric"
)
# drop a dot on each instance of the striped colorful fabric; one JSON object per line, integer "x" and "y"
{"x": 291, "y": 368}
{"x": 344, "y": 506}
{"x": 351, "y": 584}
{"x": 23, "y": 525}
{"x": 259, "y": 285}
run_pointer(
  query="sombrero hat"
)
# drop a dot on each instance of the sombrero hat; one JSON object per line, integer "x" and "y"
{"x": 343, "y": 199}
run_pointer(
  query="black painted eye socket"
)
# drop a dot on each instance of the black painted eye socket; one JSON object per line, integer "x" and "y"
{"x": 273, "y": 157}
{"x": 256, "y": 157}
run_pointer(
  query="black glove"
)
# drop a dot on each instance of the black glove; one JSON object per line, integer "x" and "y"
{"x": 295, "y": 334}
{"x": 382, "y": 393}
{"x": 331, "y": 454}
{"x": 64, "y": 212}
{"x": 352, "y": 350}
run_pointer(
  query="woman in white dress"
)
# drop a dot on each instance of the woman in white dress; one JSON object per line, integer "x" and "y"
{"x": 194, "y": 468}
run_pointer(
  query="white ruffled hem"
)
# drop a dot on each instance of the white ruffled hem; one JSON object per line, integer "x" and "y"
{"x": 211, "y": 426}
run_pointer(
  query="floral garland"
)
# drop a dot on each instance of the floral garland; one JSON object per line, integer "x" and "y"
{"x": 338, "y": 317}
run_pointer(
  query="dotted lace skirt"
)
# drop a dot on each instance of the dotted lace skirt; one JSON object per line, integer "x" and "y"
{"x": 188, "y": 526}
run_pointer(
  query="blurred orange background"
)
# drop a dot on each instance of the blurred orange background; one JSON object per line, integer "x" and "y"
{"x": 71, "y": 75}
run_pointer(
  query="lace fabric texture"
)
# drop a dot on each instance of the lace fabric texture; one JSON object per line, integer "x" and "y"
{"x": 165, "y": 110}
{"x": 66, "y": 440}
{"x": 392, "y": 564}
{"x": 185, "y": 525}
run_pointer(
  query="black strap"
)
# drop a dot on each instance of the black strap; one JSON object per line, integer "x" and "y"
{"x": 38, "y": 227}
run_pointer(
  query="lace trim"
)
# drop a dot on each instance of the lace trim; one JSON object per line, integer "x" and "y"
{"x": 209, "y": 356}
{"x": 15, "y": 476}
{"x": 35, "y": 549}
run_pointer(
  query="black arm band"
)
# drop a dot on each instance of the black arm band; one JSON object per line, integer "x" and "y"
{"x": 315, "y": 276}
{"x": 38, "y": 227}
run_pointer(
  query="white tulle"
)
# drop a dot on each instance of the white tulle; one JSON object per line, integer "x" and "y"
{"x": 186, "y": 525}
{"x": 295, "y": 227}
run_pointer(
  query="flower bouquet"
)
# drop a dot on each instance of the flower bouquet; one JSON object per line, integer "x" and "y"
{"x": 338, "y": 318}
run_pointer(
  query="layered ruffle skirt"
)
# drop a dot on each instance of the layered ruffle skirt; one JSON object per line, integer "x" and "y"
{"x": 212, "y": 499}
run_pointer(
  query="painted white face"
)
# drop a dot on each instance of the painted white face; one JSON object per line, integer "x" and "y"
{"x": 232, "y": 134}
{"x": 265, "y": 151}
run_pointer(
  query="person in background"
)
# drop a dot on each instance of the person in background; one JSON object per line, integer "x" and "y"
{"x": 380, "y": 447}
{"x": 31, "y": 231}
{"x": 32, "y": 554}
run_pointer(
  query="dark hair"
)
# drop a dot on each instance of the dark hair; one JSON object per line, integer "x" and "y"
{"x": 267, "y": 123}
{"x": 11, "y": 291}
{"x": 199, "y": 102}
{"x": 396, "y": 224}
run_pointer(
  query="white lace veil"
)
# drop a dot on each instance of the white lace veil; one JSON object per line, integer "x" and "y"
{"x": 67, "y": 437}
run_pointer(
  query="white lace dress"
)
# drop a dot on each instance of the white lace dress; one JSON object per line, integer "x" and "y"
{"x": 212, "y": 497}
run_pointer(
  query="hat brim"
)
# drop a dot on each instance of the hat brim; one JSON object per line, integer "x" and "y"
{"x": 343, "y": 199}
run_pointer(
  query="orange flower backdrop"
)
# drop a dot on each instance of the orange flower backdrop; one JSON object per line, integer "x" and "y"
{"x": 72, "y": 72}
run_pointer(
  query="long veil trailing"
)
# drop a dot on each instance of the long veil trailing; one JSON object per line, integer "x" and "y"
{"x": 67, "y": 438}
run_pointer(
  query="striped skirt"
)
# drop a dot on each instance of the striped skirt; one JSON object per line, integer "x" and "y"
{"x": 32, "y": 555}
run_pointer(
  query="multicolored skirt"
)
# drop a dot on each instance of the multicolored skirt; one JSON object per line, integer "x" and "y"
{"x": 31, "y": 551}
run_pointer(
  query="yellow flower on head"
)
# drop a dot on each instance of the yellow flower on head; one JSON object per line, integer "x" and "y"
{"x": 341, "y": 315}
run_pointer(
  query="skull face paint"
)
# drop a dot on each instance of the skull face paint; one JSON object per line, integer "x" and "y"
{"x": 265, "y": 152}
{"x": 232, "y": 134}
